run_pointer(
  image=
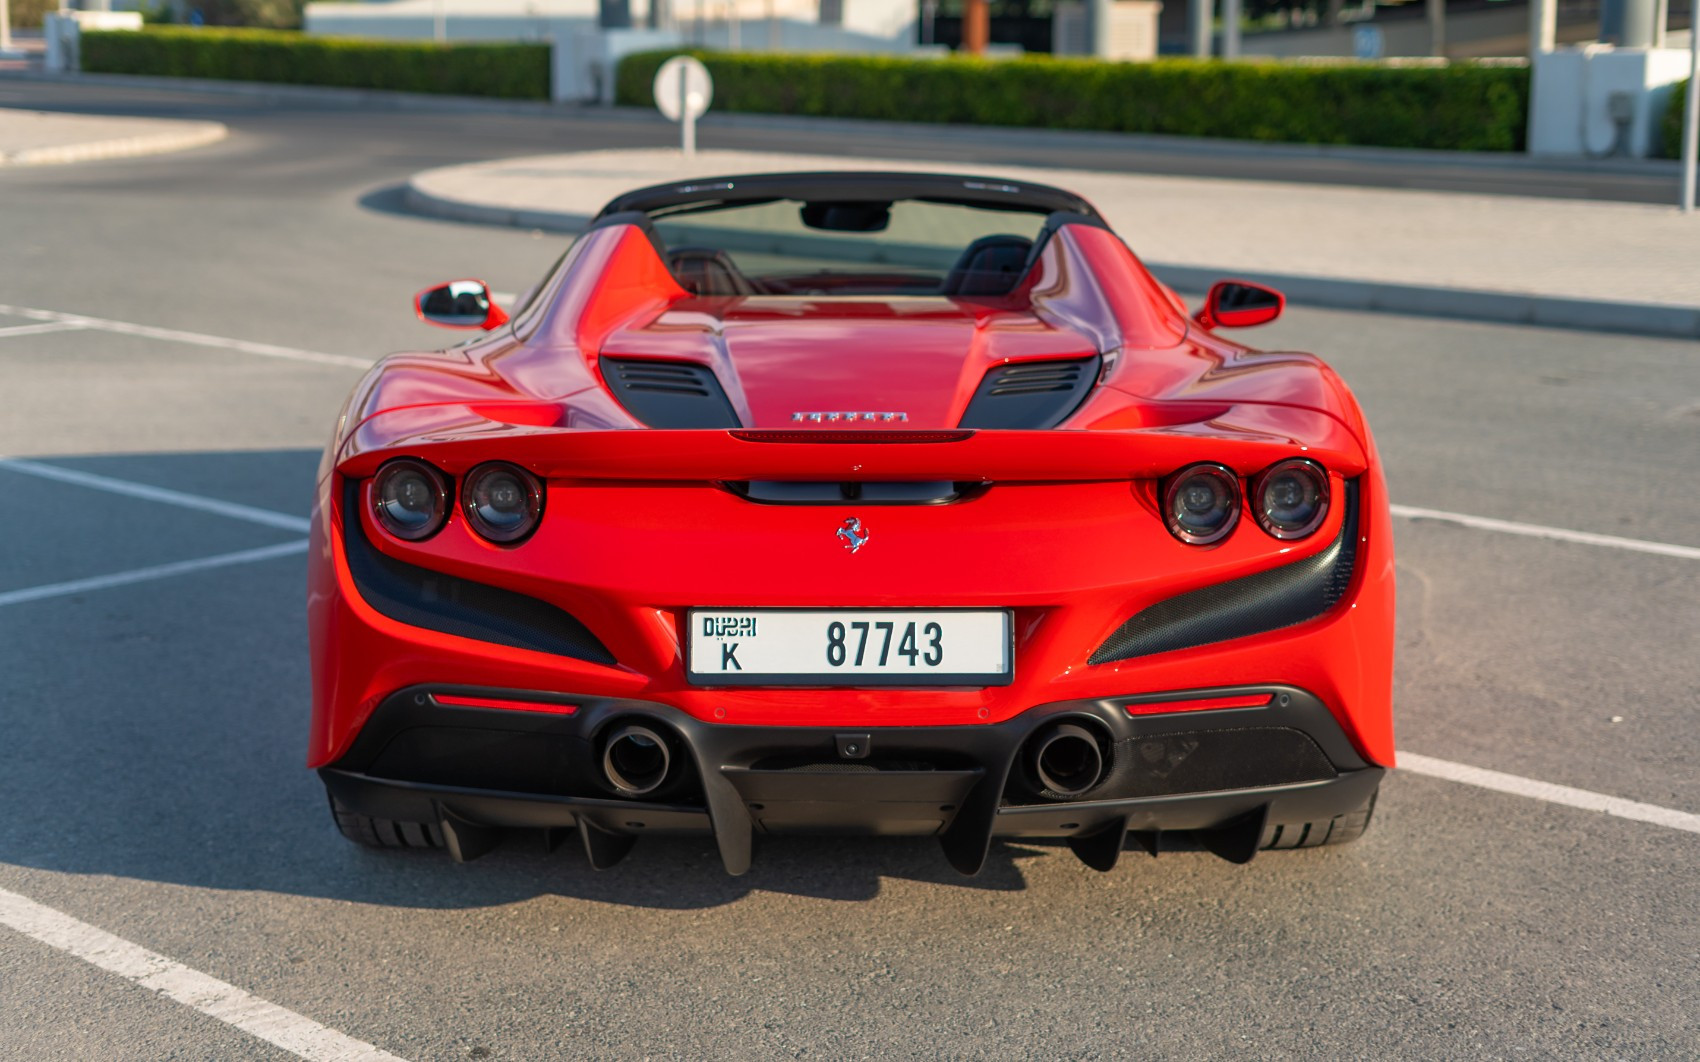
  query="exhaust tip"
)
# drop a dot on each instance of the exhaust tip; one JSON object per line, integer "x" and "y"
{"x": 636, "y": 760}
{"x": 1067, "y": 759}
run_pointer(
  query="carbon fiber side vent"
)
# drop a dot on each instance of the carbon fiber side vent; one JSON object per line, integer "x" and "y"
{"x": 1268, "y": 601}
{"x": 421, "y": 597}
{"x": 669, "y": 394}
{"x": 1032, "y": 394}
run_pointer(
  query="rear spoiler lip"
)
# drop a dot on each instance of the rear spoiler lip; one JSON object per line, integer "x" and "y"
{"x": 457, "y": 443}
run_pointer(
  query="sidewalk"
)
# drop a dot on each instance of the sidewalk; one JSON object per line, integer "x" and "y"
{"x": 39, "y": 138}
{"x": 1613, "y": 266}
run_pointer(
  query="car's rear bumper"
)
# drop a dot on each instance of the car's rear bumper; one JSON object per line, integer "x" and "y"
{"x": 1223, "y": 762}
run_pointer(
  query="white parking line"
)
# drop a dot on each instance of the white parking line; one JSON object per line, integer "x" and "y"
{"x": 41, "y": 329}
{"x": 1547, "y": 791}
{"x": 295, "y": 1033}
{"x": 1557, "y": 534}
{"x": 264, "y": 350}
{"x": 266, "y": 517}
{"x": 157, "y": 571}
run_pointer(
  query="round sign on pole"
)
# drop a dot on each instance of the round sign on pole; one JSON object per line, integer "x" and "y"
{"x": 683, "y": 88}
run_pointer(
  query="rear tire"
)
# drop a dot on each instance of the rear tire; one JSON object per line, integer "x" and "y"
{"x": 1338, "y": 830}
{"x": 384, "y": 833}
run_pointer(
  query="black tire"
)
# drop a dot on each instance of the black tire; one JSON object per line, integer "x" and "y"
{"x": 1338, "y": 830}
{"x": 384, "y": 833}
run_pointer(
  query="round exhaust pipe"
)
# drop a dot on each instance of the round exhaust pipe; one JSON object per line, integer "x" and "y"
{"x": 636, "y": 760}
{"x": 1067, "y": 759}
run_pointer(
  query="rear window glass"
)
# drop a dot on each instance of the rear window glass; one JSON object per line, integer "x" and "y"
{"x": 790, "y": 247}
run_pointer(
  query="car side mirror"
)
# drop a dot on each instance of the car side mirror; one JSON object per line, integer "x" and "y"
{"x": 460, "y": 304}
{"x": 1239, "y": 304}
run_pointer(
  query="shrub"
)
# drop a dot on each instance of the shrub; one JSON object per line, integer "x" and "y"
{"x": 26, "y": 14}
{"x": 1670, "y": 128}
{"x": 1464, "y": 107}
{"x": 512, "y": 71}
{"x": 262, "y": 14}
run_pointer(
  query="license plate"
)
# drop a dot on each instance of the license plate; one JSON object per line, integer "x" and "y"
{"x": 850, "y": 647}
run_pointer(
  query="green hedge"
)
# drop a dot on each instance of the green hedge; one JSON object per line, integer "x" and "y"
{"x": 26, "y": 14}
{"x": 1462, "y": 107}
{"x": 1670, "y": 130}
{"x": 512, "y": 71}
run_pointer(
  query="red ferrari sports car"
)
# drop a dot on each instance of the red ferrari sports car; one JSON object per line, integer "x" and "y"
{"x": 851, "y": 502}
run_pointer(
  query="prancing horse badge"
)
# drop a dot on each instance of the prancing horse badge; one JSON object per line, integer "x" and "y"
{"x": 853, "y": 534}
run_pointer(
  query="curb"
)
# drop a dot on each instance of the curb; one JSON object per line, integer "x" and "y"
{"x": 201, "y": 134}
{"x": 1504, "y": 307}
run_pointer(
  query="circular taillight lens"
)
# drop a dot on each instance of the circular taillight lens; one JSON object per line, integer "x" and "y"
{"x": 1291, "y": 498}
{"x": 1201, "y": 503}
{"x": 410, "y": 499}
{"x": 503, "y": 502}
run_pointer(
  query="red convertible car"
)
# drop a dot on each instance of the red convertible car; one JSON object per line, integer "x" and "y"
{"x": 851, "y": 502}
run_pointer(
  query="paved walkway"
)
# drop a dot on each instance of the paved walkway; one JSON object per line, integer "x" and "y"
{"x": 38, "y": 138}
{"x": 1589, "y": 264}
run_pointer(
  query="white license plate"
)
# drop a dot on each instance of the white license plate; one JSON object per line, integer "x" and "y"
{"x": 856, "y": 647}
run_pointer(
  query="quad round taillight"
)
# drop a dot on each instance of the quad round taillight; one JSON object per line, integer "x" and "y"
{"x": 502, "y": 502}
{"x": 410, "y": 499}
{"x": 1290, "y": 498}
{"x": 1201, "y": 503}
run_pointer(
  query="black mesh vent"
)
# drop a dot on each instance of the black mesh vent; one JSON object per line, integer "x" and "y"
{"x": 1034, "y": 394}
{"x": 792, "y": 492}
{"x": 669, "y": 394}
{"x": 421, "y": 597}
{"x": 1267, "y": 601}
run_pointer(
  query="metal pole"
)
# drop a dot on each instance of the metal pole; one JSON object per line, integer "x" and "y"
{"x": 1230, "y": 29}
{"x": 5, "y": 27}
{"x": 1638, "y": 19}
{"x": 1691, "y": 115}
{"x": 440, "y": 21}
{"x": 1199, "y": 30}
{"x": 688, "y": 118}
{"x": 1543, "y": 26}
{"x": 1437, "y": 27}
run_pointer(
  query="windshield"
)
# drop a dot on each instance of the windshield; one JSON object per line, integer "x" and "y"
{"x": 792, "y": 247}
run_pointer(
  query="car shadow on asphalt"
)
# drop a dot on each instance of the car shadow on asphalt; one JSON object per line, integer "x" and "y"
{"x": 156, "y": 731}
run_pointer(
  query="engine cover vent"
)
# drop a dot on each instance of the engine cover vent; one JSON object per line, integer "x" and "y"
{"x": 669, "y": 394}
{"x": 1032, "y": 394}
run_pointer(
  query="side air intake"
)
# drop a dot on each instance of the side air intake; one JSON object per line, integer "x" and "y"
{"x": 1033, "y": 394}
{"x": 669, "y": 394}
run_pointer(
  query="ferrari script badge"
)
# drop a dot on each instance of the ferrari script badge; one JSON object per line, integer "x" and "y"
{"x": 853, "y": 534}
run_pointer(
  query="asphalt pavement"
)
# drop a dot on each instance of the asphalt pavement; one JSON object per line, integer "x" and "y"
{"x": 209, "y": 311}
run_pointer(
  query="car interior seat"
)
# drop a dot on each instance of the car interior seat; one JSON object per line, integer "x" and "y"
{"x": 990, "y": 265}
{"x": 707, "y": 271}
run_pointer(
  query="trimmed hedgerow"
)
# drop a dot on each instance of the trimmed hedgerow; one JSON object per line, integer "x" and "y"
{"x": 510, "y": 71}
{"x": 1670, "y": 128}
{"x": 1459, "y": 107}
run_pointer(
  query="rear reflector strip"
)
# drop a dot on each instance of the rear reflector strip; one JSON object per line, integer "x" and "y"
{"x": 450, "y": 701}
{"x": 1201, "y": 704}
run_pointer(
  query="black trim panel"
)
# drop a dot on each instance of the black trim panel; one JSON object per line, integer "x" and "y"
{"x": 990, "y": 192}
{"x": 669, "y": 394}
{"x": 1031, "y": 395}
{"x": 1268, "y": 601}
{"x": 418, "y": 760}
{"x": 421, "y": 597}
